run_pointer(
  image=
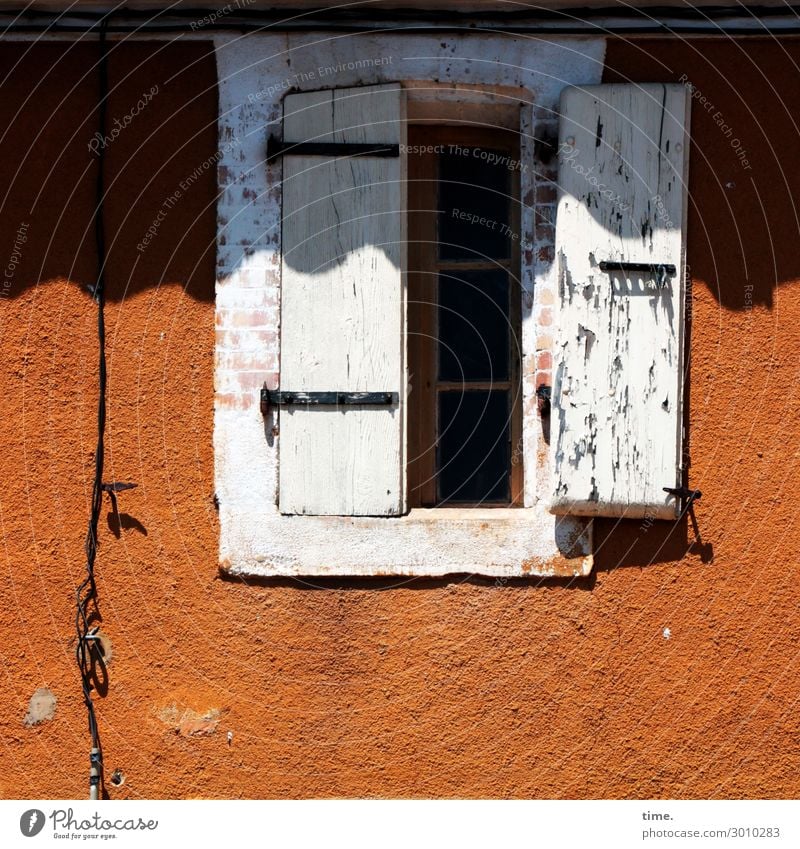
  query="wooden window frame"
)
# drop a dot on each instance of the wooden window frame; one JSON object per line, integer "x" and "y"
{"x": 424, "y": 267}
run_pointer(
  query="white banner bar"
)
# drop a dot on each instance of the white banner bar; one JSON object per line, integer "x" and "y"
{"x": 403, "y": 824}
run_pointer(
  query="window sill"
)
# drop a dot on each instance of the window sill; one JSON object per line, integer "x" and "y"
{"x": 499, "y": 542}
{"x": 469, "y": 514}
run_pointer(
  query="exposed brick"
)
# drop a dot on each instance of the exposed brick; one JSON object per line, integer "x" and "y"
{"x": 236, "y": 297}
{"x": 530, "y": 406}
{"x": 244, "y": 317}
{"x": 546, "y": 193}
{"x": 544, "y": 296}
{"x": 529, "y": 368}
{"x": 246, "y": 361}
{"x": 263, "y": 340}
{"x": 544, "y": 361}
{"x": 235, "y": 400}
{"x": 546, "y": 173}
{"x": 240, "y": 381}
{"x": 545, "y": 317}
{"x": 545, "y": 233}
{"x": 546, "y": 253}
{"x": 544, "y": 343}
{"x": 256, "y": 278}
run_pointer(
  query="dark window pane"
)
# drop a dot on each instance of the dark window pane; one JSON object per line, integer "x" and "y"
{"x": 473, "y": 447}
{"x": 474, "y": 203}
{"x": 473, "y": 325}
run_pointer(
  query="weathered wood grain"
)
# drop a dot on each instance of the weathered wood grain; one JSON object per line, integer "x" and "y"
{"x": 343, "y": 305}
{"x": 617, "y": 393}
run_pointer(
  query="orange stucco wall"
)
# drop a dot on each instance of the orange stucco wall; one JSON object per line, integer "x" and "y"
{"x": 391, "y": 688}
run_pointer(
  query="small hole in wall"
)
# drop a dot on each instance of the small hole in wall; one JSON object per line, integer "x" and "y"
{"x": 117, "y": 778}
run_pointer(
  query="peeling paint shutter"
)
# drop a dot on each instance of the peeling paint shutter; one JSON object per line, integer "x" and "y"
{"x": 617, "y": 391}
{"x": 343, "y": 307}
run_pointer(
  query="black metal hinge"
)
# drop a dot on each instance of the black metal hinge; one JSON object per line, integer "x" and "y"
{"x": 282, "y": 398}
{"x": 660, "y": 270}
{"x": 276, "y": 147}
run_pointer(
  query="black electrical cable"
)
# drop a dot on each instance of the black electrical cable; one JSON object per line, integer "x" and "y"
{"x": 87, "y": 609}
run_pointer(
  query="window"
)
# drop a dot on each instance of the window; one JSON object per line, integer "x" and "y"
{"x": 322, "y": 489}
{"x": 400, "y": 307}
{"x": 463, "y": 317}
{"x": 356, "y": 324}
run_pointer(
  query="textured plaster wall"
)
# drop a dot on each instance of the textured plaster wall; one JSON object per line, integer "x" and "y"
{"x": 672, "y": 671}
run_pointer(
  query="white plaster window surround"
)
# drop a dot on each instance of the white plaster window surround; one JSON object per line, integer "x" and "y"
{"x": 255, "y": 72}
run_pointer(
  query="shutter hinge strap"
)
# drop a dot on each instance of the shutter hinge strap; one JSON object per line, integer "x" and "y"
{"x": 660, "y": 270}
{"x": 282, "y": 398}
{"x": 276, "y": 147}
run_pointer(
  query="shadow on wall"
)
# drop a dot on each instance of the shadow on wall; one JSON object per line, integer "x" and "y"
{"x": 641, "y": 543}
{"x": 744, "y": 169}
{"x": 160, "y": 174}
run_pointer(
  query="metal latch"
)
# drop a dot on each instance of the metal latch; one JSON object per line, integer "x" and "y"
{"x": 283, "y": 398}
{"x": 686, "y": 496}
{"x": 659, "y": 270}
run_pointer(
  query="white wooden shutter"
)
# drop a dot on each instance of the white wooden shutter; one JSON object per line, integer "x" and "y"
{"x": 617, "y": 388}
{"x": 343, "y": 307}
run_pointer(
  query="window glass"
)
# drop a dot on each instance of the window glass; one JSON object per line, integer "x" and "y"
{"x": 463, "y": 328}
{"x": 474, "y": 188}
{"x": 473, "y": 325}
{"x": 473, "y": 446}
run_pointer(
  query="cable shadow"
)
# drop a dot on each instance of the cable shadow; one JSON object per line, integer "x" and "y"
{"x": 118, "y": 522}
